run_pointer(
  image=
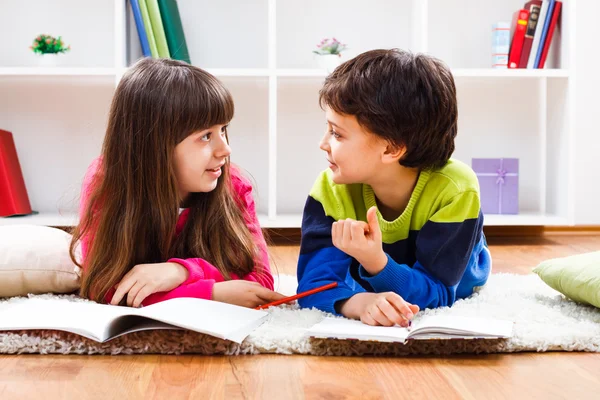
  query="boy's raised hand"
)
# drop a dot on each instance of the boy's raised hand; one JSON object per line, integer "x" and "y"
{"x": 361, "y": 241}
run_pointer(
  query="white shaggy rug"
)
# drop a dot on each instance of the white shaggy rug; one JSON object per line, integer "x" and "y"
{"x": 544, "y": 321}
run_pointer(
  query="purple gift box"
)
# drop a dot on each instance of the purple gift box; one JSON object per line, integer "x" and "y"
{"x": 498, "y": 183}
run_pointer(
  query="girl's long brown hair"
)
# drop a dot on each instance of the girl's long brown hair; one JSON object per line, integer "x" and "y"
{"x": 133, "y": 208}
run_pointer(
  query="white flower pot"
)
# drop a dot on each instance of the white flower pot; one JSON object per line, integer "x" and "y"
{"x": 328, "y": 62}
{"x": 49, "y": 60}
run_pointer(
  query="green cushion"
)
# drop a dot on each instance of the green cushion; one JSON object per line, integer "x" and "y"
{"x": 577, "y": 277}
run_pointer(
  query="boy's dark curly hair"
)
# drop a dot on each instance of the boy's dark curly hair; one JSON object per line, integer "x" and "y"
{"x": 408, "y": 99}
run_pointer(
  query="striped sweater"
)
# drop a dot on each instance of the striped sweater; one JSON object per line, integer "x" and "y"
{"x": 436, "y": 248}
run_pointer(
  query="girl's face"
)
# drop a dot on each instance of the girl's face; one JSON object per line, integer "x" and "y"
{"x": 199, "y": 159}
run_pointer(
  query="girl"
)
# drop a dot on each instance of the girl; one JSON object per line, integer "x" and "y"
{"x": 163, "y": 214}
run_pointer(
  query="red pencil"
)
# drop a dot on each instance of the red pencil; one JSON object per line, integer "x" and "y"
{"x": 298, "y": 296}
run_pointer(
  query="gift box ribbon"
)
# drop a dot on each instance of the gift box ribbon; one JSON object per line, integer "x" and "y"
{"x": 500, "y": 174}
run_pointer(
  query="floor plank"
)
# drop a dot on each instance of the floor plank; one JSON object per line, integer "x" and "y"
{"x": 496, "y": 376}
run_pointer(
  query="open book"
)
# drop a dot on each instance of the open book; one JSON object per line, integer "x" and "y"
{"x": 102, "y": 323}
{"x": 432, "y": 327}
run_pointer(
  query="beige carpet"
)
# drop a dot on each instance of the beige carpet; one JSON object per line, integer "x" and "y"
{"x": 544, "y": 321}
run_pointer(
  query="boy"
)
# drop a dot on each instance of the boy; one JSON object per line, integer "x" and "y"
{"x": 393, "y": 220}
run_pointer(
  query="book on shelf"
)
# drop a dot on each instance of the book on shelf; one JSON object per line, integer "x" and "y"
{"x": 519, "y": 26}
{"x": 548, "y": 42}
{"x": 101, "y": 322}
{"x": 148, "y": 28}
{"x": 139, "y": 24}
{"x": 532, "y": 30}
{"x": 538, "y": 34}
{"x": 158, "y": 29}
{"x": 534, "y": 8}
{"x": 429, "y": 327}
{"x": 171, "y": 20}
{"x": 546, "y": 27}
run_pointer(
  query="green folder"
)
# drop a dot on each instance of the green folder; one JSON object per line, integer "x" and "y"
{"x": 148, "y": 27}
{"x": 157, "y": 28}
{"x": 174, "y": 30}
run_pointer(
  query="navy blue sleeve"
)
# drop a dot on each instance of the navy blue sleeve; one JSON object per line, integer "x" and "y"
{"x": 321, "y": 263}
{"x": 444, "y": 251}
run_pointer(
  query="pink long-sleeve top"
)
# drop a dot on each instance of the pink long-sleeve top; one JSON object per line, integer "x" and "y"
{"x": 202, "y": 274}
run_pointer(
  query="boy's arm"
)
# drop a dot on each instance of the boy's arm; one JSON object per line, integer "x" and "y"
{"x": 321, "y": 263}
{"x": 443, "y": 252}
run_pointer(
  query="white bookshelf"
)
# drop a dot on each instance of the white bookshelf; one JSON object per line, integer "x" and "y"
{"x": 262, "y": 52}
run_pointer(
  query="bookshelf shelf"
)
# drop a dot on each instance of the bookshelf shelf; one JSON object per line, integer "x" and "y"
{"x": 228, "y": 72}
{"x": 44, "y": 218}
{"x": 267, "y": 63}
{"x": 265, "y": 72}
{"x": 292, "y": 220}
{"x": 509, "y": 73}
{"x": 457, "y": 72}
{"x": 56, "y": 71}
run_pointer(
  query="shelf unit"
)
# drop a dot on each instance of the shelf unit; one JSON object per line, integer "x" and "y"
{"x": 502, "y": 113}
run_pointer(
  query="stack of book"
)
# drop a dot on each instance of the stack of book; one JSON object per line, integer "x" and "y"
{"x": 532, "y": 30}
{"x": 160, "y": 30}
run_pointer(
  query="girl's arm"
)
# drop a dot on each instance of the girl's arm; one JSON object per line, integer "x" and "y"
{"x": 201, "y": 274}
{"x": 200, "y": 269}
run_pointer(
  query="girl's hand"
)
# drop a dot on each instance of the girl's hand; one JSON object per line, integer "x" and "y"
{"x": 386, "y": 309}
{"x": 146, "y": 279}
{"x": 244, "y": 293}
{"x": 361, "y": 241}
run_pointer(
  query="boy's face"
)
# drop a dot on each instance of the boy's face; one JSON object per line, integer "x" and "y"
{"x": 354, "y": 155}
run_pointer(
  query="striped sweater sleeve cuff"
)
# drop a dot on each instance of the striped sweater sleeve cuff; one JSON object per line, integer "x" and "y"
{"x": 393, "y": 275}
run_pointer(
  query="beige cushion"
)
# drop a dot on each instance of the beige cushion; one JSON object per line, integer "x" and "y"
{"x": 35, "y": 259}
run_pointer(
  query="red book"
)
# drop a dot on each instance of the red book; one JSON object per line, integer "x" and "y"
{"x": 13, "y": 196}
{"x": 553, "y": 22}
{"x": 534, "y": 8}
{"x": 516, "y": 47}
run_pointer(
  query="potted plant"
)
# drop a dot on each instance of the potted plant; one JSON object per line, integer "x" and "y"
{"x": 48, "y": 48}
{"x": 329, "y": 54}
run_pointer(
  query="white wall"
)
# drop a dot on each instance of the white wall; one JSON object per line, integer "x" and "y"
{"x": 587, "y": 135}
{"x": 85, "y": 25}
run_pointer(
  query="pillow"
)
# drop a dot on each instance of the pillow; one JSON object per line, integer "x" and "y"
{"x": 577, "y": 277}
{"x": 35, "y": 259}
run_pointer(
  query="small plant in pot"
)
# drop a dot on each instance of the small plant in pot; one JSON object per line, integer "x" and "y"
{"x": 49, "y": 48}
{"x": 329, "y": 54}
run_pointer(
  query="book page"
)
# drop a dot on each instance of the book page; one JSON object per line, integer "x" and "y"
{"x": 341, "y": 328}
{"x": 439, "y": 327}
{"x": 222, "y": 320}
{"x": 86, "y": 319}
{"x": 449, "y": 326}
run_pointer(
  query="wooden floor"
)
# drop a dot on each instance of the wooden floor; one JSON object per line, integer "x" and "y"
{"x": 525, "y": 375}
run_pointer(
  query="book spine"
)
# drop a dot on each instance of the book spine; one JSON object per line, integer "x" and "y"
{"x": 544, "y": 33}
{"x": 171, "y": 19}
{"x": 553, "y": 22}
{"x": 139, "y": 23}
{"x": 534, "y": 12}
{"x": 158, "y": 29}
{"x": 517, "y": 41}
{"x": 149, "y": 30}
{"x": 538, "y": 34}
{"x": 500, "y": 44}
